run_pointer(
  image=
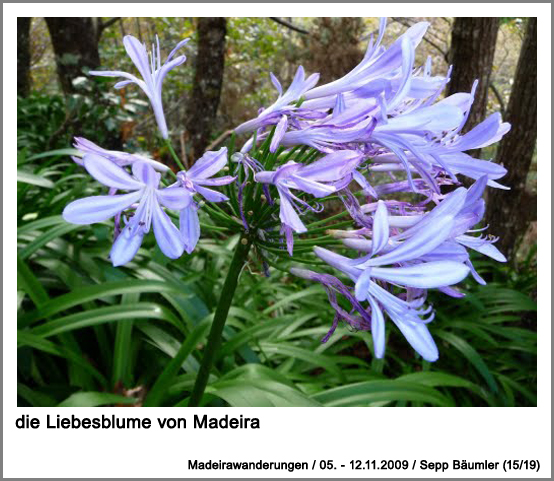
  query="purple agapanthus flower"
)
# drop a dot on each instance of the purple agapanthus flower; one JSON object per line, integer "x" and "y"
{"x": 465, "y": 209}
{"x": 377, "y": 65}
{"x": 152, "y": 71}
{"x": 144, "y": 197}
{"x": 196, "y": 181}
{"x": 284, "y": 103}
{"x": 122, "y": 159}
{"x": 320, "y": 179}
{"x": 360, "y": 321}
{"x": 406, "y": 268}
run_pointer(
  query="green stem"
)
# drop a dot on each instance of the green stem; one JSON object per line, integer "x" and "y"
{"x": 220, "y": 317}
{"x": 174, "y": 155}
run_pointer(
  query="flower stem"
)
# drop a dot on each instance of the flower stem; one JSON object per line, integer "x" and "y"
{"x": 220, "y": 317}
{"x": 174, "y": 155}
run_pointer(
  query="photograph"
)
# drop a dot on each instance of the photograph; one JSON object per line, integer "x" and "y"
{"x": 246, "y": 212}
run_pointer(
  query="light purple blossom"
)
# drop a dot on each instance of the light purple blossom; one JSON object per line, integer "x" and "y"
{"x": 152, "y": 71}
{"x": 283, "y": 105}
{"x": 119, "y": 158}
{"x": 361, "y": 321}
{"x": 378, "y": 63}
{"x": 403, "y": 263}
{"x": 197, "y": 180}
{"x": 464, "y": 207}
{"x": 144, "y": 196}
{"x": 320, "y": 179}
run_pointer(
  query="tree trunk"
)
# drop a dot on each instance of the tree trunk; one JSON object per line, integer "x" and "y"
{"x": 208, "y": 80}
{"x": 334, "y": 46}
{"x": 510, "y": 213}
{"x": 472, "y": 54}
{"x": 23, "y": 56}
{"x": 75, "y": 42}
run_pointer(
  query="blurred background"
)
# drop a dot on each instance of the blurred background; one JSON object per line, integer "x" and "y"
{"x": 73, "y": 350}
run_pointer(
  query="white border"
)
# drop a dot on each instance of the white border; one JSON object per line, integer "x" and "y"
{"x": 294, "y": 433}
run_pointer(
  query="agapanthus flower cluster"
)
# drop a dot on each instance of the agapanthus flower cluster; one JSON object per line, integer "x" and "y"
{"x": 346, "y": 147}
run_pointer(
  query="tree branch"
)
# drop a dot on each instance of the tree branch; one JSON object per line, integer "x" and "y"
{"x": 104, "y": 25}
{"x": 499, "y": 98}
{"x": 443, "y": 52}
{"x": 289, "y": 25}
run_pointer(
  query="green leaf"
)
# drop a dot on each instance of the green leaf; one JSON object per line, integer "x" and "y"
{"x": 29, "y": 178}
{"x": 85, "y": 294}
{"x": 259, "y": 393}
{"x": 52, "y": 153}
{"x": 101, "y": 315}
{"x": 166, "y": 378}
{"x": 472, "y": 356}
{"x": 25, "y": 338}
{"x": 121, "y": 371}
{"x": 365, "y": 393}
{"x": 93, "y": 399}
{"x": 46, "y": 237}
{"x": 40, "y": 224}
{"x": 34, "y": 398}
{"x": 317, "y": 360}
{"x": 26, "y": 281}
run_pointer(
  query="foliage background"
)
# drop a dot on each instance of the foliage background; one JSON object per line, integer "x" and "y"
{"x": 90, "y": 334}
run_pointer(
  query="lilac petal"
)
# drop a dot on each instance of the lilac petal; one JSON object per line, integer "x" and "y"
{"x": 311, "y": 187}
{"x": 181, "y": 44}
{"x": 449, "y": 207}
{"x": 116, "y": 73}
{"x": 190, "y": 227}
{"x": 125, "y": 247}
{"x": 280, "y": 130}
{"x": 167, "y": 67}
{"x": 287, "y": 213}
{"x": 122, "y": 84}
{"x": 209, "y": 164}
{"x": 216, "y": 182}
{"x": 337, "y": 261}
{"x": 437, "y": 118}
{"x": 362, "y": 285}
{"x": 475, "y": 275}
{"x": 139, "y": 56}
{"x": 363, "y": 245}
{"x": 424, "y": 276}
{"x": 98, "y": 208}
{"x": 367, "y": 189}
{"x": 448, "y": 250}
{"x": 419, "y": 337}
{"x": 486, "y": 133}
{"x": 211, "y": 195}
{"x": 167, "y": 235}
{"x": 452, "y": 292}
{"x": 109, "y": 174}
{"x": 483, "y": 246}
{"x": 475, "y": 168}
{"x": 265, "y": 177}
{"x": 377, "y": 329}
{"x": 420, "y": 244}
{"x": 175, "y": 198}
{"x": 332, "y": 167}
{"x": 146, "y": 174}
{"x": 285, "y": 229}
{"x": 340, "y": 105}
{"x": 475, "y": 192}
{"x": 408, "y": 58}
{"x": 276, "y": 83}
{"x": 380, "y": 228}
